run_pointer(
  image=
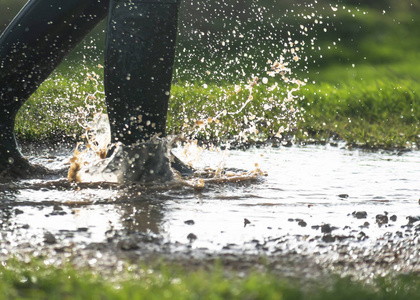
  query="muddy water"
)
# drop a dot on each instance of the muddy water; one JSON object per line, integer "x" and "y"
{"x": 315, "y": 199}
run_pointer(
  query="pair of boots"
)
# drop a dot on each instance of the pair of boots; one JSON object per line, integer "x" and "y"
{"x": 140, "y": 48}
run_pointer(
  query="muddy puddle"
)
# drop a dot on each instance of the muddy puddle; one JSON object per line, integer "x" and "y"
{"x": 322, "y": 205}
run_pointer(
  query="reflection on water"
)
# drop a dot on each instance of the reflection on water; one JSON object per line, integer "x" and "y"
{"x": 306, "y": 189}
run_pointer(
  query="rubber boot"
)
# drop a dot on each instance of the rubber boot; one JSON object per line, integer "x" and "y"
{"x": 139, "y": 58}
{"x": 31, "y": 47}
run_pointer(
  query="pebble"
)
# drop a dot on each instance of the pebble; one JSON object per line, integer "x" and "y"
{"x": 18, "y": 211}
{"x": 360, "y": 214}
{"x": 191, "y": 237}
{"x": 343, "y": 196}
{"x": 302, "y": 223}
{"x": 128, "y": 244}
{"x": 381, "y": 219}
{"x": 246, "y": 222}
{"x": 327, "y": 228}
{"x": 362, "y": 236}
{"x": 328, "y": 238}
{"x": 57, "y": 207}
{"x": 49, "y": 238}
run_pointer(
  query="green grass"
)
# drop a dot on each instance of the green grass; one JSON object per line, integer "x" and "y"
{"x": 35, "y": 280}
{"x": 377, "y": 113}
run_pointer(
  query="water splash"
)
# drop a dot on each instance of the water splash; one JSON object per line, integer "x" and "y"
{"x": 146, "y": 162}
{"x": 245, "y": 77}
{"x": 261, "y": 101}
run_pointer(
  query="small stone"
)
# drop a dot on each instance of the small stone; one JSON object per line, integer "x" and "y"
{"x": 58, "y": 213}
{"x": 393, "y": 218}
{"x": 246, "y": 222}
{"x": 328, "y": 238}
{"x": 18, "y": 211}
{"x": 128, "y": 245}
{"x": 381, "y": 219}
{"x": 360, "y": 214}
{"x": 49, "y": 238}
{"x": 302, "y": 223}
{"x": 362, "y": 236}
{"x": 189, "y": 222}
{"x": 326, "y": 228}
{"x": 57, "y": 207}
{"x": 191, "y": 237}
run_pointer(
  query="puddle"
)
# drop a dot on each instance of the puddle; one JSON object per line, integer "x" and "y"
{"x": 303, "y": 206}
{"x": 314, "y": 185}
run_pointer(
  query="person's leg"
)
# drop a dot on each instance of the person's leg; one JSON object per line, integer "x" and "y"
{"x": 139, "y": 57}
{"x": 31, "y": 47}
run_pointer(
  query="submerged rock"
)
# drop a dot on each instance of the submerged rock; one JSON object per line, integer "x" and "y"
{"x": 360, "y": 214}
{"x": 191, "y": 237}
{"x": 302, "y": 223}
{"x": 327, "y": 228}
{"x": 328, "y": 238}
{"x": 49, "y": 238}
{"x": 381, "y": 219}
{"x": 343, "y": 196}
{"x": 246, "y": 222}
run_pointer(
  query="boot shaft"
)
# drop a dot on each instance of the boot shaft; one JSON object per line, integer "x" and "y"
{"x": 37, "y": 40}
{"x": 31, "y": 47}
{"x": 140, "y": 51}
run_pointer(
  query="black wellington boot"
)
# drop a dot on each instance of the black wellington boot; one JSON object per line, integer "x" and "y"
{"x": 139, "y": 57}
{"x": 31, "y": 47}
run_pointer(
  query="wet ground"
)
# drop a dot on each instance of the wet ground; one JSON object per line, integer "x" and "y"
{"x": 320, "y": 209}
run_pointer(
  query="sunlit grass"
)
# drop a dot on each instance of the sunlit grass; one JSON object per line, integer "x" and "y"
{"x": 376, "y": 112}
{"x": 35, "y": 280}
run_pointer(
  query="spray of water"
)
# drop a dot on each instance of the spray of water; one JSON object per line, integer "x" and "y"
{"x": 248, "y": 61}
{"x": 257, "y": 79}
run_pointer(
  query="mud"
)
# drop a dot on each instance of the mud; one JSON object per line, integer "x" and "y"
{"x": 320, "y": 210}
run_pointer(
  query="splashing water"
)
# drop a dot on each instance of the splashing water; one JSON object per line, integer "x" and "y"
{"x": 266, "y": 102}
{"x": 248, "y": 71}
{"x": 143, "y": 162}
